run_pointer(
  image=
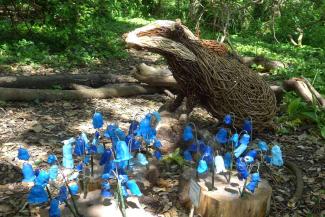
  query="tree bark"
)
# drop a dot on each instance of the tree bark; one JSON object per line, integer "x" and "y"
{"x": 62, "y": 81}
{"x": 119, "y": 90}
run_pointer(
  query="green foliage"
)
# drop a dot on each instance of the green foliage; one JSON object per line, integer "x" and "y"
{"x": 174, "y": 158}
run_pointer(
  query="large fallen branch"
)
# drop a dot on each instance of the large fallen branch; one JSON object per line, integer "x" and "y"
{"x": 63, "y": 81}
{"x": 118, "y": 90}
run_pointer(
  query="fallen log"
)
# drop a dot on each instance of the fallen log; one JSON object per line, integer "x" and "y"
{"x": 118, "y": 90}
{"x": 267, "y": 64}
{"x": 62, "y": 81}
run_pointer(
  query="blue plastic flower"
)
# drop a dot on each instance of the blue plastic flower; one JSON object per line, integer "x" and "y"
{"x": 262, "y": 146}
{"x": 219, "y": 164}
{"x": 240, "y": 150}
{"x": 227, "y": 160}
{"x": 221, "y": 136}
{"x": 98, "y": 120}
{"x": 158, "y": 155}
{"x": 53, "y": 172}
{"x": 142, "y": 160}
{"x": 54, "y": 210}
{"x": 188, "y": 134}
{"x": 187, "y": 155}
{"x": 37, "y": 195}
{"x": 134, "y": 188}
{"x": 227, "y": 119}
{"x": 80, "y": 147}
{"x": 157, "y": 144}
{"x": 106, "y": 156}
{"x": 28, "y": 172}
{"x": 244, "y": 139}
{"x": 276, "y": 159}
{"x": 63, "y": 194}
{"x": 241, "y": 169}
{"x": 51, "y": 159}
{"x": 248, "y": 125}
{"x": 74, "y": 188}
{"x": 23, "y": 154}
{"x": 42, "y": 178}
{"x": 67, "y": 160}
{"x": 122, "y": 152}
{"x": 255, "y": 179}
{"x": 133, "y": 127}
{"x": 234, "y": 139}
{"x": 202, "y": 167}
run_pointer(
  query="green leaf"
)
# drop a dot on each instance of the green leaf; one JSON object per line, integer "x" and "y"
{"x": 311, "y": 116}
{"x": 294, "y": 107}
{"x": 322, "y": 132}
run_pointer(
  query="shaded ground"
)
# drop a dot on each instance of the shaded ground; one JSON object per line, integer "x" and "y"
{"x": 42, "y": 126}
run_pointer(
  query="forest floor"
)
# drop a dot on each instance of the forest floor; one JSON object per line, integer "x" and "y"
{"x": 41, "y": 126}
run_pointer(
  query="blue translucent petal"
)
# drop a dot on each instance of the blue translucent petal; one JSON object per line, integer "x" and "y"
{"x": 124, "y": 191}
{"x": 28, "y": 172}
{"x": 107, "y": 172}
{"x": 227, "y": 119}
{"x": 240, "y": 150}
{"x": 244, "y": 139}
{"x": 208, "y": 155}
{"x": 80, "y": 146}
{"x": 158, "y": 155}
{"x": 122, "y": 152}
{"x": 241, "y": 169}
{"x": 109, "y": 132}
{"x": 120, "y": 134}
{"x": 187, "y": 155}
{"x": 252, "y": 153}
{"x": 86, "y": 159}
{"x": 202, "y": 167}
{"x": 219, "y": 164}
{"x": 235, "y": 139}
{"x": 131, "y": 141}
{"x": 221, "y": 136}
{"x": 276, "y": 159}
{"x": 227, "y": 160}
{"x": 202, "y": 146}
{"x": 157, "y": 144}
{"x": 74, "y": 188}
{"x": 142, "y": 160}
{"x": 51, "y": 159}
{"x": 188, "y": 134}
{"x": 248, "y": 125}
{"x": 23, "y": 154}
{"x": 80, "y": 167}
{"x": 53, "y": 172}
{"x": 42, "y": 178}
{"x": 134, "y": 188}
{"x": 67, "y": 160}
{"x": 157, "y": 116}
{"x": 98, "y": 120}
{"x": 54, "y": 210}
{"x": 262, "y": 146}
{"x": 106, "y": 156}
{"x": 251, "y": 186}
{"x": 100, "y": 148}
{"x": 63, "y": 194}
{"x": 133, "y": 127}
{"x": 192, "y": 148}
{"x": 37, "y": 195}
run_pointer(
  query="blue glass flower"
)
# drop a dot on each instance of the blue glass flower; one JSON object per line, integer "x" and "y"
{"x": 134, "y": 143}
{"x": 74, "y": 188}
{"x": 250, "y": 156}
{"x": 144, "y": 127}
{"x": 53, "y": 172}
{"x": 188, "y": 134}
{"x": 244, "y": 139}
{"x": 248, "y": 125}
{"x": 221, "y": 136}
{"x": 123, "y": 178}
{"x": 187, "y": 155}
{"x": 28, "y": 172}
{"x": 122, "y": 152}
{"x": 37, "y": 195}
{"x": 86, "y": 140}
{"x": 51, "y": 159}
{"x": 63, "y": 194}
{"x": 208, "y": 155}
{"x": 255, "y": 179}
{"x": 267, "y": 159}
{"x": 157, "y": 144}
{"x": 124, "y": 191}
{"x": 67, "y": 160}
{"x": 42, "y": 178}
{"x": 86, "y": 159}
{"x": 192, "y": 148}
{"x": 241, "y": 169}
{"x": 107, "y": 172}
{"x": 80, "y": 147}
{"x": 106, "y": 156}
{"x": 120, "y": 133}
{"x": 202, "y": 167}
{"x": 227, "y": 160}
{"x": 141, "y": 159}
{"x": 92, "y": 149}
{"x": 202, "y": 146}
{"x": 276, "y": 159}
{"x": 98, "y": 120}
{"x": 74, "y": 176}
{"x": 36, "y": 171}
{"x": 80, "y": 167}
{"x": 100, "y": 148}
{"x": 157, "y": 154}
{"x": 240, "y": 150}
{"x": 69, "y": 141}
{"x": 219, "y": 164}
{"x": 227, "y": 119}
{"x": 105, "y": 192}
{"x": 54, "y": 210}
{"x": 133, "y": 127}
{"x": 109, "y": 132}
{"x": 262, "y": 146}
{"x": 234, "y": 139}
{"x": 134, "y": 188}
{"x": 157, "y": 116}
{"x": 23, "y": 154}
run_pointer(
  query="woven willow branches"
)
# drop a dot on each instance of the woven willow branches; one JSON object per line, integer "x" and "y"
{"x": 208, "y": 74}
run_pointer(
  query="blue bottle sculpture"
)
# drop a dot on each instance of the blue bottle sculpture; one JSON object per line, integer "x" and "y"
{"x": 188, "y": 134}
{"x": 202, "y": 167}
{"x": 28, "y": 173}
{"x": 134, "y": 188}
{"x": 227, "y": 160}
{"x": 141, "y": 159}
{"x": 221, "y": 136}
{"x": 54, "y": 210}
{"x": 53, "y": 172}
{"x": 51, "y": 159}
{"x": 98, "y": 120}
{"x": 42, "y": 178}
{"x": 67, "y": 160}
{"x": 23, "y": 154}
{"x": 276, "y": 158}
{"x": 37, "y": 195}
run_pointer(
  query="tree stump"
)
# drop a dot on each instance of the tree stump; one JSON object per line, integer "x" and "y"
{"x": 225, "y": 199}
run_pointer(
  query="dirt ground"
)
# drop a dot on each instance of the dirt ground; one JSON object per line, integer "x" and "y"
{"x": 41, "y": 126}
